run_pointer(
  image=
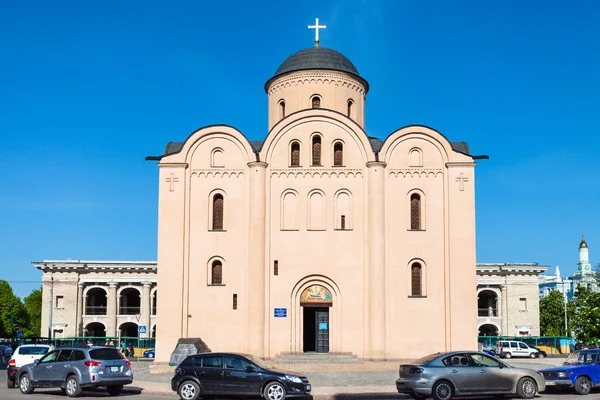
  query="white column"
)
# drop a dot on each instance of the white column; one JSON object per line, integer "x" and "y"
{"x": 145, "y": 311}
{"x": 111, "y": 313}
{"x": 80, "y": 310}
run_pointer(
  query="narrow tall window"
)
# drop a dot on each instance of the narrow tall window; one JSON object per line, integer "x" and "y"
{"x": 235, "y": 301}
{"x": 343, "y": 223}
{"x": 338, "y": 154}
{"x": 415, "y": 272}
{"x": 316, "y": 102}
{"x": 316, "y": 148}
{"x": 295, "y": 154}
{"x": 350, "y": 105}
{"x": 415, "y": 211}
{"x": 275, "y": 267}
{"x": 218, "y": 212}
{"x": 217, "y": 273}
{"x": 282, "y": 109}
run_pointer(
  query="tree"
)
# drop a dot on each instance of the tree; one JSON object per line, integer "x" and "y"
{"x": 33, "y": 305}
{"x": 12, "y": 311}
{"x": 552, "y": 314}
{"x": 587, "y": 315}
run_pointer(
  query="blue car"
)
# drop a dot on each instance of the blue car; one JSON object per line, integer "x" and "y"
{"x": 149, "y": 353}
{"x": 580, "y": 370}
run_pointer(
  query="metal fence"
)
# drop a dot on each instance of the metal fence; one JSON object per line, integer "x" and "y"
{"x": 551, "y": 344}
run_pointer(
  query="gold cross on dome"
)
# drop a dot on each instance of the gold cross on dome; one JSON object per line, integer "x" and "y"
{"x": 316, "y": 27}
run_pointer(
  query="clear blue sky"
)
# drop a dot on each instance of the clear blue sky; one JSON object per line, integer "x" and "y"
{"x": 88, "y": 89}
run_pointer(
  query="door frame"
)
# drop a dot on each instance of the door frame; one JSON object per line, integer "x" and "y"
{"x": 297, "y": 315}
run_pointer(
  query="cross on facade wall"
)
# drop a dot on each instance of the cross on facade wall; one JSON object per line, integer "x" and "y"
{"x": 172, "y": 180}
{"x": 461, "y": 180}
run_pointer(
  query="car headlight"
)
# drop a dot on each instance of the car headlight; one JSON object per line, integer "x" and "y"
{"x": 563, "y": 375}
{"x": 293, "y": 378}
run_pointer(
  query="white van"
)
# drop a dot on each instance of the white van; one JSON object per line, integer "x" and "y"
{"x": 514, "y": 348}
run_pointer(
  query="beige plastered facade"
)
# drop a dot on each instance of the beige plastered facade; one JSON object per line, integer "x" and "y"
{"x": 275, "y": 212}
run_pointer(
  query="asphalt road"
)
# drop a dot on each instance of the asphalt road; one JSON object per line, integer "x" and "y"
{"x": 48, "y": 394}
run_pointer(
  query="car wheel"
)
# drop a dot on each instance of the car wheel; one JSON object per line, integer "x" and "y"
{"x": 442, "y": 390}
{"x": 532, "y": 355}
{"x": 72, "y": 386}
{"x": 507, "y": 355}
{"x": 583, "y": 385}
{"x": 150, "y": 355}
{"x": 189, "y": 390}
{"x": 274, "y": 391}
{"x": 10, "y": 383}
{"x": 114, "y": 390}
{"x": 25, "y": 384}
{"x": 526, "y": 388}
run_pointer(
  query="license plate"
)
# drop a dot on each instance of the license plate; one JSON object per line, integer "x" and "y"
{"x": 550, "y": 383}
{"x": 114, "y": 369}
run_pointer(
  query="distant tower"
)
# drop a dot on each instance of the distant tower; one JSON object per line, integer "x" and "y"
{"x": 584, "y": 266}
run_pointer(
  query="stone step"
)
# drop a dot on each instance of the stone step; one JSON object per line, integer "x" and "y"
{"x": 321, "y": 358}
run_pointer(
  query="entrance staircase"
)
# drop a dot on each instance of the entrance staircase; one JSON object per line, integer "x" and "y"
{"x": 317, "y": 358}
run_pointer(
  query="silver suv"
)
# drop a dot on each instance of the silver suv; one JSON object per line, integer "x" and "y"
{"x": 72, "y": 369}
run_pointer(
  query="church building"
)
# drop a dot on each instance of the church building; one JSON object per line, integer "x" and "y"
{"x": 318, "y": 238}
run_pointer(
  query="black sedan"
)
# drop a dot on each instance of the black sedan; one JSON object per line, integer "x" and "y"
{"x": 235, "y": 374}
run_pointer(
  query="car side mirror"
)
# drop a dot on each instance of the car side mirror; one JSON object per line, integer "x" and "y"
{"x": 36, "y": 362}
{"x": 250, "y": 368}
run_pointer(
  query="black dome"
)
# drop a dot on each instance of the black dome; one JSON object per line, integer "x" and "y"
{"x": 318, "y": 58}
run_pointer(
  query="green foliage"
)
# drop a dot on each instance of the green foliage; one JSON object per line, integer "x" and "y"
{"x": 33, "y": 305}
{"x": 587, "y": 316}
{"x": 12, "y": 311}
{"x": 552, "y": 314}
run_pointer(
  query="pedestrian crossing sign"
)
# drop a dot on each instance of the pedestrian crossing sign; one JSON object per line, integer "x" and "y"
{"x": 142, "y": 329}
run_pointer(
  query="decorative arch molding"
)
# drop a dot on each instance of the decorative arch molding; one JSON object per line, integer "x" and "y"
{"x": 343, "y": 210}
{"x": 87, "y": 289}
{"x": 412, "y": 173}
{"x": 335, "y": 312}
{"x": 316, "y": 209}
{"x": 320, "y": 173}
{"x": 299, "y": 118}
{"x": 314, "y": 77}
{"x": 216, "y": 158}
{"x": 430, "y": 135}
{"x": 415, "y": 157}
{"x": 424, "y": 276}
{"x": 191, "y": 143}
{"x": 289, "y": 217}
{"x": 120, "y": 290}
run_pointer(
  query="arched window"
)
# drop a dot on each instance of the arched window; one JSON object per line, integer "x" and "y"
{"x": 295, "y": 156}
{"x": 282, "y": 109}
{"x": 338, "y": 154}
{"x": 350, "y": 106}
{"x": 217, "y": 212}
{"x": 316, "y": 102}
{"x": 415, "y": 158}
{"x": 415, "y": 211}
{"x": 316, "y": 150}
{"x": 216, "y": 273}
{"x": 343, "y": 210}
{"x": 416, "y": 279}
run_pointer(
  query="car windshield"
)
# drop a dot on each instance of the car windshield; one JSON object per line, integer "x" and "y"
{"x": 259, "y": 362}
{"x": 583, "y": 357}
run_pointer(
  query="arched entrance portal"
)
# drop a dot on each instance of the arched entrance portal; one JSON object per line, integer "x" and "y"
{"x": 94, "y": 329}
{"x": 488, "y": 330}
{"x": 129, "y": 329}
{"x": 315, "y": 301}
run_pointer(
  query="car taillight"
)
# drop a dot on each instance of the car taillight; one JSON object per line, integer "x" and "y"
{"x": 12, "y": 363}
{"x": 415, "y": 370}
{"x": 127, "y": 362}
{"x": 92, "y": 363}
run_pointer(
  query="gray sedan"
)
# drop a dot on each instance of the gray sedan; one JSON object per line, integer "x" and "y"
{"x": 466, "y": 373}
